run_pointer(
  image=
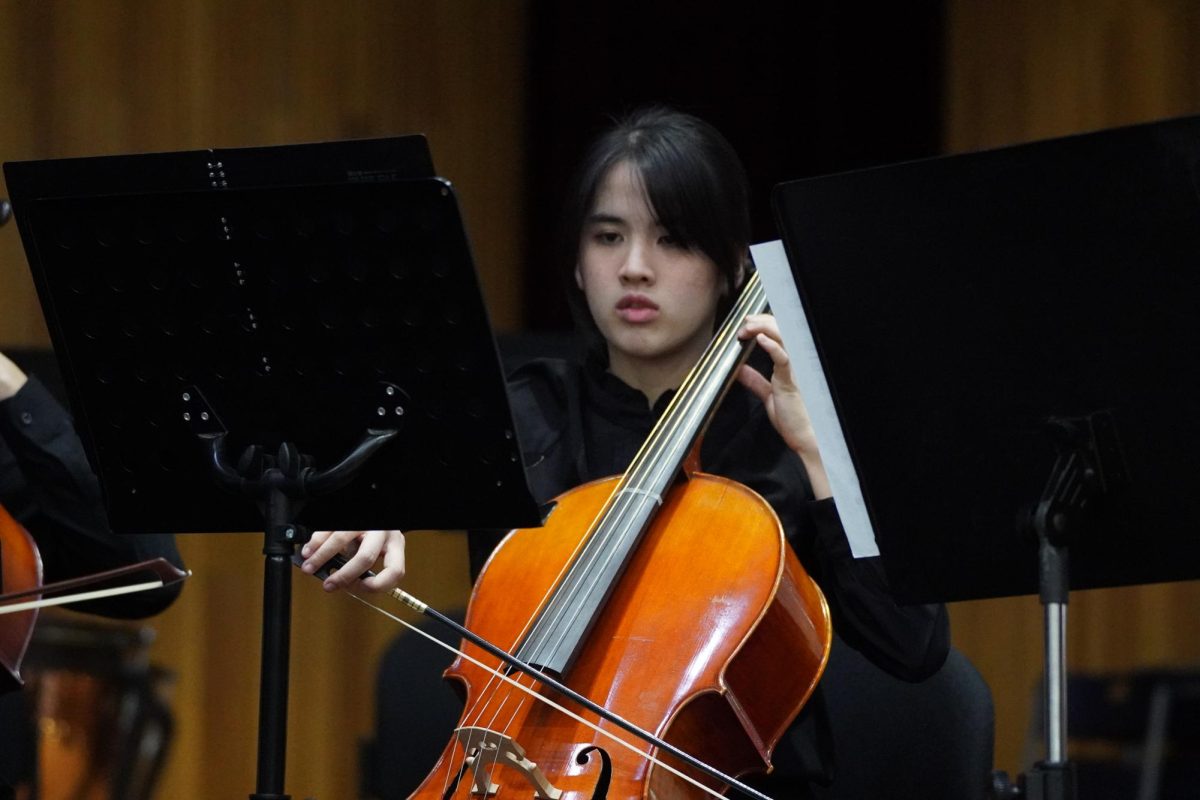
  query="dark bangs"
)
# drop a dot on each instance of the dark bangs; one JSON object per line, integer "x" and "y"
{"x": 697, "y": 190}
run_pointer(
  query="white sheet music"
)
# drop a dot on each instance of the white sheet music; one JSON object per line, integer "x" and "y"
{"x": 772, "y": 264}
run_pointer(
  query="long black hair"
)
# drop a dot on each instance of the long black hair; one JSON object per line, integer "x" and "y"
{"x": 696, "y": 188}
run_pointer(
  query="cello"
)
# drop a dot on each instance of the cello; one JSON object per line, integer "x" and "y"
{"x": 20, "y": 572}
{"x": 715, "y": 656}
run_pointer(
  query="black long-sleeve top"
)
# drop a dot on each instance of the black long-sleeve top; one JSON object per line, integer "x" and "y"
{"x": 47, "y": 485}
{"x": 577, "y": 423}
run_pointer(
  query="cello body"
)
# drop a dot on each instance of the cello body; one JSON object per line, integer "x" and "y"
{"x": 713, "y": 638}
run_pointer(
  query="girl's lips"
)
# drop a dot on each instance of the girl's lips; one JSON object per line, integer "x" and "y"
{"x": 636, "y": 308}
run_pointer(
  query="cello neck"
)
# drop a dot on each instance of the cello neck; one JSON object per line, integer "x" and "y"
{"x": 569, "y": 612}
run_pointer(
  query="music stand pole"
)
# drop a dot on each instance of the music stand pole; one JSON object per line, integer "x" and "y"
{"x": 1087, "y": 467}
{"x": 1053, "y": 778}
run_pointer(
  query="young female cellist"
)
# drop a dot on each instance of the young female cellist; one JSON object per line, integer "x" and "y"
{"x": 655, "y": 247}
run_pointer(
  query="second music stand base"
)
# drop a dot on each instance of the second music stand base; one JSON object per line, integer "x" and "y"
{"x": 1050, "y": 781}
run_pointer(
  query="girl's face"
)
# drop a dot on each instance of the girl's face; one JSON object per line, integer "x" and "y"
{"x": 654, "y": 301}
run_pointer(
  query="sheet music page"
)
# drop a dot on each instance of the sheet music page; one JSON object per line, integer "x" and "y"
{"x": 772, "y": 264}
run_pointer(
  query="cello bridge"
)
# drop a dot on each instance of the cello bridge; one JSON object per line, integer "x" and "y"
{"x": 487, "y": 748}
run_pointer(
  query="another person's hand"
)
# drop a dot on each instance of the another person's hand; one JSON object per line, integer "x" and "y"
{"x": 362, "y": 549}
{"x": 782, "y": 399}
{"x": 11, "y": 378}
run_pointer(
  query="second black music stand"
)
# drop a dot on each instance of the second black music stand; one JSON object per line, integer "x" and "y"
{"x": 1009, "y": 339}
{"x": 270, "y": 325}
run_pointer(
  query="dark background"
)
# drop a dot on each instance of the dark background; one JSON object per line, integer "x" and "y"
{"x": 799, "y": 89}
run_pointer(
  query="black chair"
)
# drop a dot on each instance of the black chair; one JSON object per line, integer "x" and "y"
{"x": 893, "y": 739}
{"x": 416, "y": 712}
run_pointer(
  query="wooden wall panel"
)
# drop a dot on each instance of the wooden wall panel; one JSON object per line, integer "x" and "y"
{"x": 85, "y": 77}
{"x": 1024, "y": 70}
{"x": 103, "y": 76}
{"x": 97, "y": 76}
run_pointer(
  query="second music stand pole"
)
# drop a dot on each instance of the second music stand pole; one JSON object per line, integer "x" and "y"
{"x": 1088, "y": 466}
{"x": 1054, "y": 778}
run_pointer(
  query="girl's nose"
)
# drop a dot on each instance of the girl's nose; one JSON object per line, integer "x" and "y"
{"x": 637, "y": 266}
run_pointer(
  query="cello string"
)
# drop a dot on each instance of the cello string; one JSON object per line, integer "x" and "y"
{"x": 612, "y": 533}
{"x": 612, "y": 524}
{"x": 507, "y": 725}
{"x": 687, "y": 395}
{"x": 505, "y": 693}
{"x": 686, "y": 400}
{"x": 451, "y": 763}
{"x": 616, "y": 521}
{"x": 631, "y": 482}
{"x": 491, "y": 690}
{"x": 620, "y": 526}
{"x": 562, "y": 582}
{"x": 480, "y": 754}
{"x": 562, "y": 709}
{"x": 617, "y": 525}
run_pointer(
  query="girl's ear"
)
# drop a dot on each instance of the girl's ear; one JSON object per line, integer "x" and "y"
{"x": 739, "y": 276}
{"x": 578, "y": 277}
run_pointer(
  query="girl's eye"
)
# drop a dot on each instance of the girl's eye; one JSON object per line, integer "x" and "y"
{"x": 667, "y": 240}
{"x": 607, "y": 237}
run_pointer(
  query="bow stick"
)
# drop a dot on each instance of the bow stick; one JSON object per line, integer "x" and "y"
{"x": 166, "y": 573}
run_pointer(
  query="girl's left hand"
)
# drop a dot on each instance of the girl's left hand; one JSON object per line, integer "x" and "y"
{"x": 782, "y": 398}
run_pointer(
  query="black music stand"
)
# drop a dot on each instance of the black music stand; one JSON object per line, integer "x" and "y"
{"x": 313, "y": 308}
{"x": 1012, "y": 335}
